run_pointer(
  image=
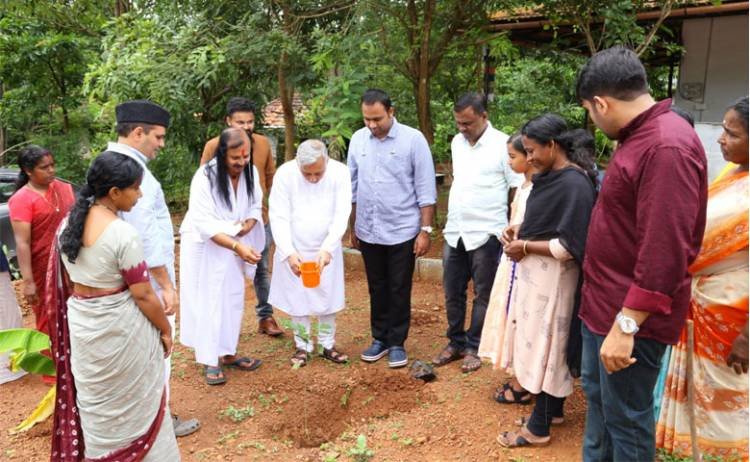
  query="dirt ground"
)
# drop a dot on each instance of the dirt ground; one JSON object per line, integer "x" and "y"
{"x": 317, "y": 413}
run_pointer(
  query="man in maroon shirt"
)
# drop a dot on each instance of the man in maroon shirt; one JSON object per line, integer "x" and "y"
{"x": 645, "y": 230}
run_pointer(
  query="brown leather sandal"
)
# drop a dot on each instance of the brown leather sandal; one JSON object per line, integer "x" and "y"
{"x": 334, "y": 355}
{"x": 520, "y": 438}
{"x": 299, "y": 358}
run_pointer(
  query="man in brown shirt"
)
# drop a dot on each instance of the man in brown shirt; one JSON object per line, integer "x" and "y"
{"x": 241, "y": 114}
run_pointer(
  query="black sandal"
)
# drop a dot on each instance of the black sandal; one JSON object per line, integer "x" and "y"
{"x": 519, "y": 397}
{"x": 299, "y": 358}
{"x": 219, "y": 377}
{"x": 334, "y": 355}
{"x": 243, "y": 363}
{"x": 447, "y": 355}
{"x": 471, "y": 362}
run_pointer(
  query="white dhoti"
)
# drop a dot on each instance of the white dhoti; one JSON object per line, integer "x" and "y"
{"x": 212, "y": 278}
{"x": 305, "y": 219}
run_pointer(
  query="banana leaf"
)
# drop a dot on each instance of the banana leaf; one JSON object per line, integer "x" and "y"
{"x": 24, "y": 347}
{"x": 43, "y": 410}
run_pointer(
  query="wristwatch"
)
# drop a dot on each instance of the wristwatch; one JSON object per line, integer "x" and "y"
{"x": 426, "y": 229}
{"x": 627, "y": 324}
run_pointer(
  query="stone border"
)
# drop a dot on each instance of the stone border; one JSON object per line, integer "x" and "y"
{"x": 426, "y": 269}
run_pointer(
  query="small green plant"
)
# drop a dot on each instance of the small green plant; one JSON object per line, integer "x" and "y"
{"x": 519, "y": 459}
{"x": 238, "y": 414}
{"x": 253, "y": 444}
{"x": 406, "y": 441}
{"x": 223, "y": 439}
{"x": 265, "y": 401}
{"x": 360, "y": 452}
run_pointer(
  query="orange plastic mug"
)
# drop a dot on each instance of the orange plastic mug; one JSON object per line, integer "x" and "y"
{"x": 310, "y": 274}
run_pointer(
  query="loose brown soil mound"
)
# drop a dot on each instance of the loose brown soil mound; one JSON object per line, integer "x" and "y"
{"x": 319, "y": 411}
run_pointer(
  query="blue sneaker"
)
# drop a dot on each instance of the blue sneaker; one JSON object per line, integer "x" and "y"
{"x": 376, "y": 351}
{"x": 397, "y": 357}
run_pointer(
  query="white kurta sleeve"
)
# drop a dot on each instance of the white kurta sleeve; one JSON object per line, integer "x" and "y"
{"x": 280, "y": 214}
{"x": 143, "y": 218}
{"x": 202, "y": 209}
{"x": 341, "y": 212}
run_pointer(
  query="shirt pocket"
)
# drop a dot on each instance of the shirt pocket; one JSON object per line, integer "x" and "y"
{"x": 395, "y": 167}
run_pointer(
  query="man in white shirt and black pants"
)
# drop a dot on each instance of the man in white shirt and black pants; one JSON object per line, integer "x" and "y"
{"x": 482, "y": 189}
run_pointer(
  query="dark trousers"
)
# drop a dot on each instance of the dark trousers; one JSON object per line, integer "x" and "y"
{"x": 262, "y": 280}
{"x": 620, "y": 416}
{"x": 390, "y": 269}
{"x": 545, "y": 408}
{"x": 460, "y": 266}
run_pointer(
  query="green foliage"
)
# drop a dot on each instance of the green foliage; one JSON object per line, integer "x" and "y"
{"x": 334, "y": 109}
{"x": 528, "y": 86}
{"x": 360, "y": 452}
{"x": 25, "y": 347}
{"x": 238, "y": 414}
{"x": 45, "y": 51}
{"x": 605, "y": 22}
{"x": 64, "y": 66}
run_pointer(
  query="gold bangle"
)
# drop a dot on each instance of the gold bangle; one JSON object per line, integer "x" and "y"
{"x": 524, "y": 248}
{"x": 234, "y": 246}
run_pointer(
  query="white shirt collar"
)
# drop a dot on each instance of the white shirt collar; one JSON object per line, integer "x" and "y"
{"x": 127, "y": 150}
{"x": 482, "y": 138}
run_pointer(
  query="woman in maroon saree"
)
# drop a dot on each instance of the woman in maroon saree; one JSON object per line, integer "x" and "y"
{"x": 36, "y": 209}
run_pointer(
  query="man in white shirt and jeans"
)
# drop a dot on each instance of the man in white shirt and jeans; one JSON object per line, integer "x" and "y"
{"x": 482, "y": 189}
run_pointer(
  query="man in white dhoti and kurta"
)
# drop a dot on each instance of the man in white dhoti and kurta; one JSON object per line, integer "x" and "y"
{"x": 221, "y": 239}
{"x": 309, "y": 208}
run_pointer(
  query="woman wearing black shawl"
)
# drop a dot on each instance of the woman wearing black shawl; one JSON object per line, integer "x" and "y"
{"x": 548, "y": 247}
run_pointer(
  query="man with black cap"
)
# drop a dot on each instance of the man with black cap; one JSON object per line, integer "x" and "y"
{"x": 141, "y": 130}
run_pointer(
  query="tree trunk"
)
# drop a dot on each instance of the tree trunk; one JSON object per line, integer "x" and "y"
{"x": 3, "y": 140}
{"x": 66, "y": 119}
{"x": 286, "y": 94}
{"x": 63, "y": 97}
{"x": 424, "y": 115}
{"x": 121, "y": 7}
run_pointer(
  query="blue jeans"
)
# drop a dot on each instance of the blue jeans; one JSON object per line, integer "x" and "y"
{"x": 620, "y": 416}
{"x": 262, "y": 281}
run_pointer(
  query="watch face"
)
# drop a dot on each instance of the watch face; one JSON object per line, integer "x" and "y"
{"x": 628, "y": 325}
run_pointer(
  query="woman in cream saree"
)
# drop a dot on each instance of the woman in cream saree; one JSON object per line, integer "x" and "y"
{"x": 110, "y": 334}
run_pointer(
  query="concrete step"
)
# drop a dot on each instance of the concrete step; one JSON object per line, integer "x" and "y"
{"x": 427, "y": 269}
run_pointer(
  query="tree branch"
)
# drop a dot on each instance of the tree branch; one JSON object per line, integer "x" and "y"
{"x": 666, "y": 9}
{"x": 325, "y": 11}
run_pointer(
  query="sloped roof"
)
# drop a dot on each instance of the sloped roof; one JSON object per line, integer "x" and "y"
{"x": 273, "y": 113}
